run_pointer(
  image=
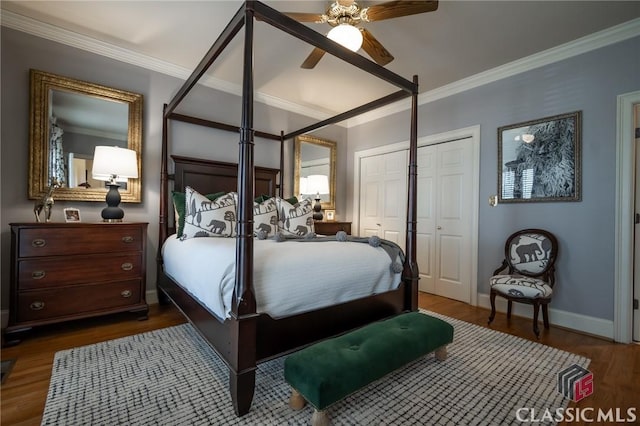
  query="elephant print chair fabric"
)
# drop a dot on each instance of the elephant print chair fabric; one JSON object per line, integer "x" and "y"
{"x": 527, "y": 273}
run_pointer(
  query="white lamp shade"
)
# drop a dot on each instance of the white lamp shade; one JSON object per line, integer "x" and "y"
{"x": 318, "y": 184}
{"x": 303, "y": 185}
{"x": 346, "y": 35}
{"x": 110, "y": 161}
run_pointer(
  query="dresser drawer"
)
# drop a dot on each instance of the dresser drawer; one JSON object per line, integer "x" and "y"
{"x": 39, "y": 273}
{"x": 69, "y": 301}
{"x": 62, "y": 241}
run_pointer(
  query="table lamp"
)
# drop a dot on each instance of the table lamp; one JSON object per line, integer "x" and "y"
{"x": 114, "y": 164}
{"x": 320, "y": 185}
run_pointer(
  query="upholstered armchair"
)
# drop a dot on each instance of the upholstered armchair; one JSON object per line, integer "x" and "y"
{"x": 527, "y": 273}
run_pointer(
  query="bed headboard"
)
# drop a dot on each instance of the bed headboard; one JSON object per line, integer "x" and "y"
{"x": 206, "y": 176}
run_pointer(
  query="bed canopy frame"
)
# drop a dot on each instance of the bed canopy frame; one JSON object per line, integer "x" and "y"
{"x": 249, "y": 337}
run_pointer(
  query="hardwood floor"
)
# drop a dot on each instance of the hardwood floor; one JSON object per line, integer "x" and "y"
{"x": 616, "y": 367}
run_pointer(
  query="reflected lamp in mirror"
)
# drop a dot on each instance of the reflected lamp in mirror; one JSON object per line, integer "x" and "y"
{"x": 320, "y": 185}
{"x": 112, "y": 165}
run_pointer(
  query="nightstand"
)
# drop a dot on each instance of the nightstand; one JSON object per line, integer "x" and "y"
{"x": 331, "y": 228}
{"x": 67, "y": 271}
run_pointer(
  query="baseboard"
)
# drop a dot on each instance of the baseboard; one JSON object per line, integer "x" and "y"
{"x": 569, "y": 320}
{"x": 152, "y": 297}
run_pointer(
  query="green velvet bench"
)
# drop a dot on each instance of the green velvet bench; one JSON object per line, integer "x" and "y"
{"x": 326, "y": 372}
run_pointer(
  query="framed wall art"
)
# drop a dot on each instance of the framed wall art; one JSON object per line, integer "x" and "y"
{"x": 539, "y": 160}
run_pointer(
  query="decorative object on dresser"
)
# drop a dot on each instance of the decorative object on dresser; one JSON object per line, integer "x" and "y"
{"x": 66, "y": 271}
{"x": 320, "y": 185}
{"x": 46, "y": 202}
{"x": 71, "y": 215}
{"x": 114, "y": 164}
{"x": 332, "y": 228}
{"x": 331, "y": 215}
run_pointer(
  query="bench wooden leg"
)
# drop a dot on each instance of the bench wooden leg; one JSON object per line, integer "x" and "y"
{"x": 441, "y": 353}
{"x": 297, "y": 401}
{"x": 320, "y": 418}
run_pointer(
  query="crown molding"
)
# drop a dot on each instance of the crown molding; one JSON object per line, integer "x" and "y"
{"x": 60, "y": 35}
{"x": 579, "y": 46}
{"x": 576, "y": 47}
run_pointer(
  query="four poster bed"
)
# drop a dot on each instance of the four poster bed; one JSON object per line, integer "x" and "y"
{"x": 245, "y": 335}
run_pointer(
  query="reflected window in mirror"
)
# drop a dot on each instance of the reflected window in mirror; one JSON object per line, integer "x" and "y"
{"x": 68, "y": 119}
{"x": 315, "y": 157}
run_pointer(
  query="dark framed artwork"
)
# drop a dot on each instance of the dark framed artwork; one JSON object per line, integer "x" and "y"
{"x": 539, "y": 160}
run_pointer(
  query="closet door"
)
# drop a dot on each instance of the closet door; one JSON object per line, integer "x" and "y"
{"x": 444, "y": 219}
{"x": 383, "y": 196}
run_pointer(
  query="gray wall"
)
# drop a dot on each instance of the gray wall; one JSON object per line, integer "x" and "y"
{"x": 21, "y": 51}
{"x": 585, "y": 230}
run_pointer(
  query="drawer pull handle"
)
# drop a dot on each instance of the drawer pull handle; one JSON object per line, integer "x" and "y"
{"x": 38, "y": 242}
{"x": 127, "y": 266}
{"x": 127, "y": 239}
{"x": 126, "y": 293}
{"x": 36, "y": 306}
{"x": 38, "y": 275}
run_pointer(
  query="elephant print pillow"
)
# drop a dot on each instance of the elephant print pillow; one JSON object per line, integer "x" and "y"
{"x": 206, "y": 218}
{"x": 265, "y": 218}
{"x": 295, "y": 220}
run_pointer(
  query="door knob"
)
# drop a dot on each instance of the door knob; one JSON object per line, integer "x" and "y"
{"x": 438, "y": 227}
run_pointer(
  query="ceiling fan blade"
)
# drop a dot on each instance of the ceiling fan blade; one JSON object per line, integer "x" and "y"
{"x": 313, "y": 59}
{"x": 304, "y": 17}
{"x": 372, "y": 46}
{"x": 395, "y": 9}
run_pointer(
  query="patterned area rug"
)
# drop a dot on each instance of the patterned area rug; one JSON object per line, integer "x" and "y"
{"x": 172, "y": 377}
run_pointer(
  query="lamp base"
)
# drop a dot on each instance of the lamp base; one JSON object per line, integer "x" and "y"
{"x": 112, "y": 213}
{"x": 317, "y": 208}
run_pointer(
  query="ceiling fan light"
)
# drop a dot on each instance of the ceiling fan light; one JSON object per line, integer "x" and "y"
{"x": 346, "y": 35}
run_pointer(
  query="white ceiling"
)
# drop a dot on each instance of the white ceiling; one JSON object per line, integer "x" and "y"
{"x": 459, "y": 40}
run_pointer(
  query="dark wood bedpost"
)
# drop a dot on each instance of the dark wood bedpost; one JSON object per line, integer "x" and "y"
{"x": 162, "y": 220}
{"x": 243, "y": 313}
{"x": 410, "y": 273}
{"x": 281, "y": 179}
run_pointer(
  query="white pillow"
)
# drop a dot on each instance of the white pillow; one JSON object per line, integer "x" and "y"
{"x": 265, "y": 217}
{"x": 295, "y": 220}
{"x": 206, "y": 218}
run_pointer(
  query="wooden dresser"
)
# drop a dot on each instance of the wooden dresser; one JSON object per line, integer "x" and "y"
{"x": 65, "y": 271}
{"x": 331, "y": 228}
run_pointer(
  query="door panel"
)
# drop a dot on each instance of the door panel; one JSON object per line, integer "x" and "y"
{"x": 447, "y": 168}
{"x": 383, "y": 196}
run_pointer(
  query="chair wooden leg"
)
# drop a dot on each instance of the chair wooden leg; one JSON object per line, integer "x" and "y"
{"x": 545, "y": 315}
{"x": 493, "y": 307}
{"x": 536, "y": 309}
{"x": 509, "y": 306}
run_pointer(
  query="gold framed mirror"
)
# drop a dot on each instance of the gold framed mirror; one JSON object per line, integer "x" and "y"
{"x": 315, "y": 157}
{"x": 67, "y": 119}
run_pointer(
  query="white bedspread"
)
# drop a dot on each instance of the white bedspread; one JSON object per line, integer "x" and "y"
{"x": 290, "y": 277}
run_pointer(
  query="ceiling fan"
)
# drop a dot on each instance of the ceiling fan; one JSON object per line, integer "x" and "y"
{"x": 345, "y": 17}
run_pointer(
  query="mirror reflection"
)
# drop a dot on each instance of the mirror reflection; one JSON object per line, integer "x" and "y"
{"x": 315, "y": 169}
{"x": 69, "y": 118}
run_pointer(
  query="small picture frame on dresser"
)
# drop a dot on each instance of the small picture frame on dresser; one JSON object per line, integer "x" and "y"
{"x": 71, "y": 214}
{"x": 330, "y": 215}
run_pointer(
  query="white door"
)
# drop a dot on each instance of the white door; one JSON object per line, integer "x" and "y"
{"x": 636, "y": 268}
{"x": 445, "y": 206}
{"x": 383, "y": 196}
